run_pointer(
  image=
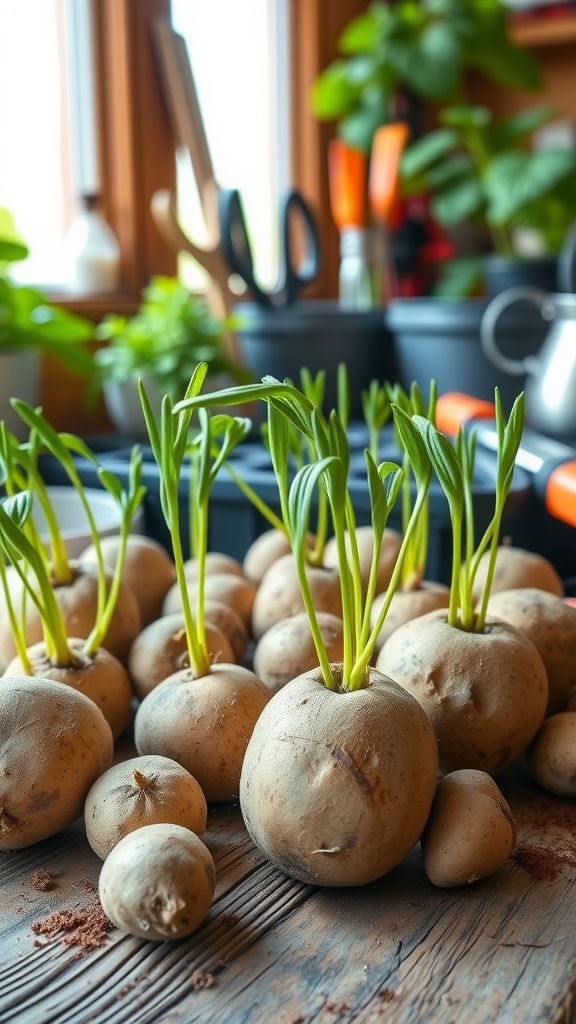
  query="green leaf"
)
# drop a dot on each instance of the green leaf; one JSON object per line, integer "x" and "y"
{"x": 410, "y": 431}
{"x": 515, "y": 179}
{"x": 357, "y": 128}
{"x": 431, "y": 63}
{"x": 504, "y": 62}
{"x": 332, "y": 93}
{"x": 444, "y": 460}
{"x": 12, "y": 246}
{"x": 426, "y": 151}
{"x": 459, "y": 278}
{"x": 458, "y": 202}
{"x": 18, "y": 507}
{"x": 508, "y": 130}
{"x": 364, "y": 33}
{"x": 466, "y": 116}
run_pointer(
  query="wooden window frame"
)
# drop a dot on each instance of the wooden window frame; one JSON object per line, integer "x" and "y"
{"x": 137, "y": 152}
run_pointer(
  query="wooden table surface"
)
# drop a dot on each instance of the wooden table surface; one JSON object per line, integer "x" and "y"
{"x": 275, "y": 951}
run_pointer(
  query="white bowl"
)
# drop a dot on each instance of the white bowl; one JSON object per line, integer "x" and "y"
{"x": 71, "y": 517}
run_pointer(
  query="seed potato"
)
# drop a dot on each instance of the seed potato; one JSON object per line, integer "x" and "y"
{"x": 485, "y": 693}
{"x": 141, "y": 791}
{"x": 470, "y": 833}
{"x": 162, "y": 649}
{"x": 158, "y": 882}
{"x": 279, "y": 595}
{"x": 550, "y": 624}
{"x": 287, "y": 649}
{"x": 54, "y": 743}
{"x": 516, "y": 567}
{"x": 552, "y": 755}
{"x": 148, "y": 570}
{"x": 102, "y": 678}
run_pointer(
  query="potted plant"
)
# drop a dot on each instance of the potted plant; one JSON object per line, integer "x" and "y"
{"x": 474, "y": 166}
{"x": 162, "y": 344}
{"x": 30, "y": 326}
{"x": 471, "y": 167}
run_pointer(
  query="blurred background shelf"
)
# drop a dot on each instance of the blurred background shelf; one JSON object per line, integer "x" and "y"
{"x": 559, "y": 30}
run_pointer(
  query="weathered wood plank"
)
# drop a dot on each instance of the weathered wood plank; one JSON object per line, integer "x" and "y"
{"x": 272, "y": 949}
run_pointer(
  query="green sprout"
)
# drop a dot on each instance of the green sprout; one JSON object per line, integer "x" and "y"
{"x": 289, "y": 409}
{"x": 454, "y": 467}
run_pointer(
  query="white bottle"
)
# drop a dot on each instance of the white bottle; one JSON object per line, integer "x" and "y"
{"x": 354, "y": 282}
{"x": 91, "y": 252}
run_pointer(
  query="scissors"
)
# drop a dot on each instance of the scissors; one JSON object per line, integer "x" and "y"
{"x": 294, "y": 212}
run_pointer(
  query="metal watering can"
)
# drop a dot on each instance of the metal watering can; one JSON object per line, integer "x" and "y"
{"x": 551, "y": 374}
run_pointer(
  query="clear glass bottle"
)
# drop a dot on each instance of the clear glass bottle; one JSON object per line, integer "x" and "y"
{"x": 91, "y": 251}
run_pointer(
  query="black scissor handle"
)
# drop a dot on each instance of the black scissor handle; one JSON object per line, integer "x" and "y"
{"x": 298, "y": 274}
{"x": 235, "y": 242}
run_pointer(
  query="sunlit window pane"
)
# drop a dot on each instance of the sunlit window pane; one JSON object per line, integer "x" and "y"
{"x": 34, "y": 154}
{"x": 238, "y": 53}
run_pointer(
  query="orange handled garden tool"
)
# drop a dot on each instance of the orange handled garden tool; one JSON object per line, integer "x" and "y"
{"x": 384, "y": 195}
{"x": 551, "y": 464}
{"x": 347, "y": 170}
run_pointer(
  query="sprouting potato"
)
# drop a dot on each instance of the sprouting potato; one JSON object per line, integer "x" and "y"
{"x": 287, "y": 649}
{"x": 470, "y": 833}
{"x": 158, "y": 882}
{"x": 161, "y": 649}
{"x": 141, "y": 791}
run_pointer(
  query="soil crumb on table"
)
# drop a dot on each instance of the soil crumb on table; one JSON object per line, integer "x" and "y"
{"x": 202, "y": 979}
{"x": 85, "y": 929}
{"x": 42, "y": 880}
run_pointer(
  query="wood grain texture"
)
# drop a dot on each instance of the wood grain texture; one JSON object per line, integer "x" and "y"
{"x": 274, "y": 950}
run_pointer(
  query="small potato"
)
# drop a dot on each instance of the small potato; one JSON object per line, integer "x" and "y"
{"x": 287, "y": 649}
{"x": 279, "y": 596}
{"x": 158, "y": 882}
{"x": 228, "y": 622}
{"x": 54, "y": 743}
{"x": 142, "y": 791}
{"x": 390, "y": 548}
{"x": 148, "y": 570}
{"x": 215, "y": 563}
{"x": 470, "y": 833}
{"x": 263, "y": 552}
{"x": 407, "y": 605}
{"x": 235, "y": 591}
{"x": 517, "y": 568}
{"x": 162, "y": 649}
{"x": 552, "y": 754}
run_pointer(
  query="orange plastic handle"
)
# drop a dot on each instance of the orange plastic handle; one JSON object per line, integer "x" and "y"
{"x": 388, "y": 145}
{"x": 560, "y": 496}
{"x": 347, "y": 181}
{"x": 454, "y": 409}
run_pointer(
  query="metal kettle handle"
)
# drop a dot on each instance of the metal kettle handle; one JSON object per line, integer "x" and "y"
{"x": 489, "y": 323}
{"x": 567, "y": 262}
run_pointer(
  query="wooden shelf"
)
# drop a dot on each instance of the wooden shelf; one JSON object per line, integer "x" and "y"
{"x": 545, "y": 31}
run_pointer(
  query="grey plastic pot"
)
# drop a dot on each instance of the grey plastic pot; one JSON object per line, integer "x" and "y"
{"x": 317, "y": 335}
{"x": 440, "y": 339}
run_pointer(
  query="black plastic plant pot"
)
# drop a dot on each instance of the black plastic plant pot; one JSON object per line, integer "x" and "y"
{"x": 502, "y": 272}
{"x": 318, "y": 335}
{"x": 439, "y": 339}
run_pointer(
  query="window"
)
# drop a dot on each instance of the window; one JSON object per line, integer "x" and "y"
{"x": 135, "y": 141}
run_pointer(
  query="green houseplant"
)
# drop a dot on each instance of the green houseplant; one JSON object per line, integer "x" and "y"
{"x": 29, "y": 327}
{"x": 162, "y": 344}
{"x": 473, "y": 166}
{"x": 28, "y": 320}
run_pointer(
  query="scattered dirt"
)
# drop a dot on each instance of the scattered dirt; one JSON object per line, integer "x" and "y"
{"x": 42, "y": 880}
{"x": 86, "y": 929}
